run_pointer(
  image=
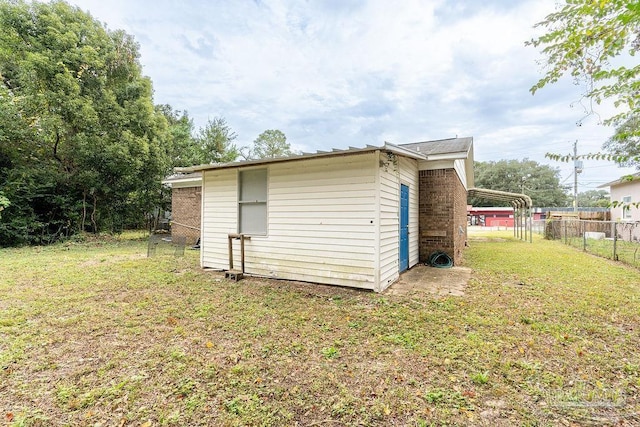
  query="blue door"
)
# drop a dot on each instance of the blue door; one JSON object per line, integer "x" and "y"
{"x": 404, "y": 227}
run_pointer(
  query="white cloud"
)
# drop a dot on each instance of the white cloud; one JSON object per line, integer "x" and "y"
{"x": 339, "y": 73}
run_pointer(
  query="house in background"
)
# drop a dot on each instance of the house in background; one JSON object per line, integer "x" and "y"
{"x": 356, "y": 217}
{"x": 186, "y": 205}
{"x": 625, "y": 191}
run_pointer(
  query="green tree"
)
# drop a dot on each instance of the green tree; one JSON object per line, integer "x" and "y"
{"x": 269, "y": 144}
{"x": 182, "y": 148}
{"x": 624, "y": 145}
{"x": 593, "y": 199}
{"x": 589, "y": 40}
{"x": 540, "y": 182}
{"x": 4, "y": 202}
{"x": 594, "y": 42}
{"x": 82, "y": 145}
{"x": 215, "y": 142}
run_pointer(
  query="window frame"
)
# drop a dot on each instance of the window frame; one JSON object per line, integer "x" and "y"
{"x": 242, "y": 174}
{"x": 626, "y": 209}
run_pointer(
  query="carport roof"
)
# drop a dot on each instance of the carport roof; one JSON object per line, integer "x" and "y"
{"x": 517, "y": 200}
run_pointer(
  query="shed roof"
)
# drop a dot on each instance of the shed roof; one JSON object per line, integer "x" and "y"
{"x": 427, "y": 150}
{"x": 396, "y": 149}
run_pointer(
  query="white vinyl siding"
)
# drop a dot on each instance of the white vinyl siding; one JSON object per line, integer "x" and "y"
{"x": 403, "y": 171}
{"x": 389, "y": 222}
{"x": 321, "y": 222}
{"x": 219, "y": 216}
{"x": 459, "y": 167}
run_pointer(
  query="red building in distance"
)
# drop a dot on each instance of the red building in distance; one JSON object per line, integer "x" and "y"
{"x": 490, "y": 216}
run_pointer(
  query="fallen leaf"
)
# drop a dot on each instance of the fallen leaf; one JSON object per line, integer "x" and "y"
{"x": 209, "y": 344}
{"x": 146, "y": 424}
{"x": 9, "y": 416}
{"x": 387, "y": 411}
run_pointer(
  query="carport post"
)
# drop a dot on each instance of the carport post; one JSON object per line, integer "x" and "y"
{"x": 515, "y": 218}
{"x": 519, "y": 220}
{"x": 526, "y": 218}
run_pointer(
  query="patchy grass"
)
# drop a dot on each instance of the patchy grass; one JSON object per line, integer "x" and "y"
{"x": 626, "y": 251}
{"x": 97, "y": 334}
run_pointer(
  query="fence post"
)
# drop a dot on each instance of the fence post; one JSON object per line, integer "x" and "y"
{"x": 564, "y": 222}
{"x": 584, "y": 236}
{"x": 615, "y": 241}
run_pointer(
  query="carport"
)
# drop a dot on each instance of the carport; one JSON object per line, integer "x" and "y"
{"x": 521, "y": 203}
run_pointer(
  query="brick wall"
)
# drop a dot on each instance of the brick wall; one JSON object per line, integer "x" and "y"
{"x": 185, "y": 213}
{"x": 443, "y": 214}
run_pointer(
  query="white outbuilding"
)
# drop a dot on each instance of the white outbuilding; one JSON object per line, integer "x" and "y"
{"x": 356, "y": 217}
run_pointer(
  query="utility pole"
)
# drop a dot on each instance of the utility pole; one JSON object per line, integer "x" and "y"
{"x": 577, "y": 168}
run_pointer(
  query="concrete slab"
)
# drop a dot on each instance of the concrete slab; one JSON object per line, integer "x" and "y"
{"x": 436, "y": 281}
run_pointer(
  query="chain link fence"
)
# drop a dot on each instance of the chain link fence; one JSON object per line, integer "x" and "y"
{"x": 164, "y": 244}
{"x": 619, "y": 241}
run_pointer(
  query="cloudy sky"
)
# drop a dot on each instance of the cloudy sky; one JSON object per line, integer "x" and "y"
{"x": 339, "y": 73}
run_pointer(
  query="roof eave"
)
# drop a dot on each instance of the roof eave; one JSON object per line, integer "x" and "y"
{"x": 621, "y": 181}
{"x": 449, "y": 156}
{"x": 181, "y": 181}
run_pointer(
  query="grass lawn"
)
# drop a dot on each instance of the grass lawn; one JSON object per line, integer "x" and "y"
{"x": 626, "y": 252}
{"x": 97, "y": 334}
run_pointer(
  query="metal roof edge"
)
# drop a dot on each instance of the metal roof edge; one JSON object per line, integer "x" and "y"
{"x": 319, "y": 154}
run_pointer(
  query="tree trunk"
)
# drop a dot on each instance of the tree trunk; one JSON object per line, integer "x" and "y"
{"x": 84, "y": 210}
{"x": 93, "y": 214}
